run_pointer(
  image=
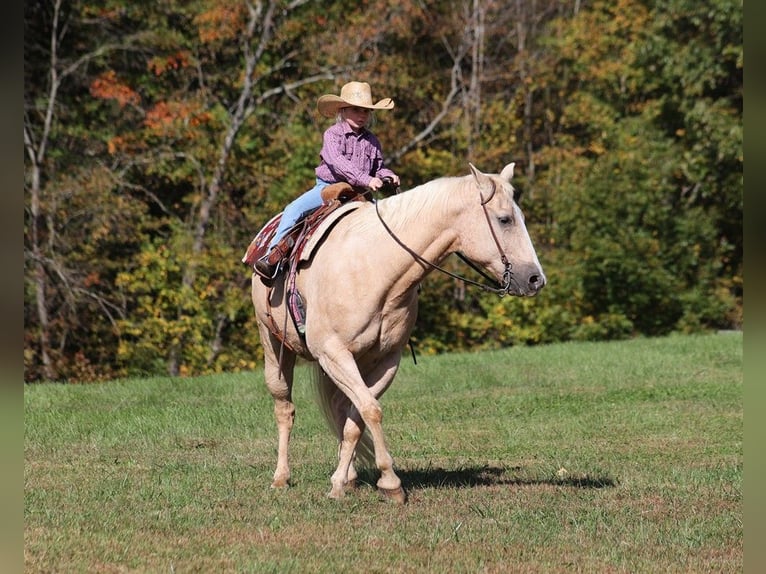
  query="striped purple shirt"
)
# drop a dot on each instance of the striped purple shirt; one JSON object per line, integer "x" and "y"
{"x": 350, "y": 157}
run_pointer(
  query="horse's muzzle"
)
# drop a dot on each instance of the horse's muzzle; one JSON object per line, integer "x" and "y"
{"x": 527, "y": 281}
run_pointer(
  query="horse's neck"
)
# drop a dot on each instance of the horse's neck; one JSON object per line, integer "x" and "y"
{"x": 421, "y": 221}
{"x": 426, "y": 210}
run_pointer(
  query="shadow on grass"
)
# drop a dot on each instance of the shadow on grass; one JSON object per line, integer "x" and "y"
{"x": 467, "y": 477}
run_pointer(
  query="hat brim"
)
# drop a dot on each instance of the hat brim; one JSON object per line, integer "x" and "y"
{"x": 329, "y": 105}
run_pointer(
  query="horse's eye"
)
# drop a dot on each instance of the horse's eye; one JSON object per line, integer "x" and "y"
{"x": 504, "y": 219}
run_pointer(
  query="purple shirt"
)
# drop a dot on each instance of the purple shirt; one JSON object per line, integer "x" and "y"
{"x": 350, "y": 157}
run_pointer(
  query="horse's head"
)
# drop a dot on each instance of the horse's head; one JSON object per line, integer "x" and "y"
{"x": 496, "y": 236}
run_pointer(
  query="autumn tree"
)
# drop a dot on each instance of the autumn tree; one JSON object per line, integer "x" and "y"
{"x": 76, "y": 230}
{"x": 636, "y": 197}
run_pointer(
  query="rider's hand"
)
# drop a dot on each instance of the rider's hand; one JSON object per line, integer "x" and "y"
{"x": 375, "y": 183}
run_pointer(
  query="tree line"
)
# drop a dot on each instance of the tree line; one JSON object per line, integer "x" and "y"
{"x": 160, "y": 136}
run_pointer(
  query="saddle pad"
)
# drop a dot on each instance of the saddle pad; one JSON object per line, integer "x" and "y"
{"x": 326, "y": 225}
{"x": 260, "y": 242}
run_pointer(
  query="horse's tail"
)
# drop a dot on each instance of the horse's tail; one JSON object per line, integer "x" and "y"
{"x": 335, "y": 406}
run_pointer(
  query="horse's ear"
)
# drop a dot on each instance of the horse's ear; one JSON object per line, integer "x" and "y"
{"x": 507, "y": 172}
{"x": 485, "y": 184}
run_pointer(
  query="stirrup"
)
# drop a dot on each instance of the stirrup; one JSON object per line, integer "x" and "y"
{"x": 265, "y": 269}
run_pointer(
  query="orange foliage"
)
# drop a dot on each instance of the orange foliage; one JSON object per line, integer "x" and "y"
{"x": 92, "y": 279}
{"x": 108, "y": 87}
{"x": 160, "y": 65}
{"x": 103, "y": 13}
{"x": 115, "y": 144}
{"x": 167, "y": 115}
{"x": 220, "y": 23}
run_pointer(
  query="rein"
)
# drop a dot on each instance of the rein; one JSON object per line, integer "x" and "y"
{"x": 503, "y": 288}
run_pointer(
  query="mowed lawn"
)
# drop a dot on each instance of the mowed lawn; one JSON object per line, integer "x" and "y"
{"x": 579, "y": 457}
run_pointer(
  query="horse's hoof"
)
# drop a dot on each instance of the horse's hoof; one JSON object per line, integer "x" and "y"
{"x": 280, "y": 483}
{"x": 397, "y": 495}
{"x": 336, "y": 494}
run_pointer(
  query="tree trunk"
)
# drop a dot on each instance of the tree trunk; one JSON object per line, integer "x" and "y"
{"x": 242, "y": 110}
{"x": 36, "y": 149}
{"x": 41, "y": 304}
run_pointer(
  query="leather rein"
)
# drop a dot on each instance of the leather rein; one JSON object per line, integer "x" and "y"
{"x": 500, "y": 289}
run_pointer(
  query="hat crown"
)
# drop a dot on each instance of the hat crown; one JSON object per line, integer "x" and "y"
{"x": 357, "y": 94}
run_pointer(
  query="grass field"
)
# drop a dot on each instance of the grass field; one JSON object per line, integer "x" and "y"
{"x": 579, "y": 457}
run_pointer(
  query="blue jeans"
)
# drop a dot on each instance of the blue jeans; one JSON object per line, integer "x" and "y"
{"x": 298, "y": 208}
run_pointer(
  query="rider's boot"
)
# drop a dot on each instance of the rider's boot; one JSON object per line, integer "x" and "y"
{"x": 267, "y": 265}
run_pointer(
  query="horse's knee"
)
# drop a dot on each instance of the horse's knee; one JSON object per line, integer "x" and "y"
{"x": 372, "y": 414}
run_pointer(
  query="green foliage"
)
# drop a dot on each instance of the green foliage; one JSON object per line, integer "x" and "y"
{"x": 163, "y": 316}
{"x": 622, "y": 201}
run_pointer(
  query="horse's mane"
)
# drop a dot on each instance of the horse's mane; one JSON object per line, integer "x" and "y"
{"x": 432, "y": 197}
{"x": 427, "y": 202}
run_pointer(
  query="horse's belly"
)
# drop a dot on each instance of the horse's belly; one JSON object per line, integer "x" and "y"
{"x": 395, "y": 328}
{"x": 361, "y": 329}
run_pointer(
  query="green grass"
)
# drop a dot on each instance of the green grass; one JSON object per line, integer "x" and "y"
{"x": 578, "y": 457}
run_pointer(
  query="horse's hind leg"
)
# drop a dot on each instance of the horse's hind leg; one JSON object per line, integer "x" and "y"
{"x": 345, "y": 475}
{"x": 279, "y": 381}
{"x": 348, "y": 427}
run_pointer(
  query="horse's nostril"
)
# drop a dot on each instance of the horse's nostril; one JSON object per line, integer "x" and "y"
{"x": 536, "y": 282}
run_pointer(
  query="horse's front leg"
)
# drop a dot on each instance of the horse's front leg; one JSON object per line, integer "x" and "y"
{"x": 367, "y": 408}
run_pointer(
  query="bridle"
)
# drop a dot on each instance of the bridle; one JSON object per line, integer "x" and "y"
{"x": 500, "y": 289}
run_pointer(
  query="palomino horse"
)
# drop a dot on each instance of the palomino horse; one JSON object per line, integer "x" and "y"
{"x": 360, "y": 293}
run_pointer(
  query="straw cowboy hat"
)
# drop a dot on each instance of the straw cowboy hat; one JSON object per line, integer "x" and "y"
{"x": 352, "y": 94}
